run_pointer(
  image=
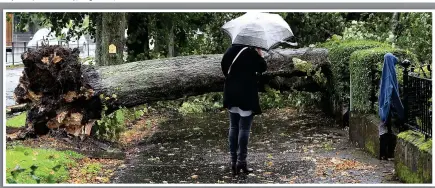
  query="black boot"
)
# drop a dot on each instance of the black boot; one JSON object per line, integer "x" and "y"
{"x": 234, "y": 164}
{"x": 391, "y": 141}
{"x": 383, "y": 146}
{"x": 242, "y": 166}
{"x": 234, "y": 170}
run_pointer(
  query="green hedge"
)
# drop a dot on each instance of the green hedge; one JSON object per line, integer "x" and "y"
{"x": 339, "y": 55}
{"x": 362, "y": 64}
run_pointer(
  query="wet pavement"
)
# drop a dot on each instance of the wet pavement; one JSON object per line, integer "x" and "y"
{"x": 285, "y": 146}
{"x": 12, "y": 79}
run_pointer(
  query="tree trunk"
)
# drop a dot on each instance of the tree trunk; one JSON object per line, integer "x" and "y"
{"x": 16, "y": 108}
{"x": 394, "y": 22}
{"x": 66, "y": 94}
{"x": 171, "y": 42}
{"x": 112, "y": 33}
{"x": 98, "y": 39}
{"x": 138, "y": 37}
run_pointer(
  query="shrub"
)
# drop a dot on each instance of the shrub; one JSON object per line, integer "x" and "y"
{"x": 110, "y": 126}
{"x": 203, "y": 103}
{"x": 339, "y": 55}
{"x": 275, "y": 99}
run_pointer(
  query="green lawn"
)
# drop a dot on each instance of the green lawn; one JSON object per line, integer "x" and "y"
{"x": 52, "y": 166}
{"x": 17, "y": 121}
{"x": 14, "y": 66}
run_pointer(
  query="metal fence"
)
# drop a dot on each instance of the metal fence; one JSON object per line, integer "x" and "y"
{"x": 417, "y": 99}
{"x": 15, "y": 49}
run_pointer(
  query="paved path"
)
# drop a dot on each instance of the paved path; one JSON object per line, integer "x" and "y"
{"x": 12, "y": 79}
{"x": 285, "y": 147}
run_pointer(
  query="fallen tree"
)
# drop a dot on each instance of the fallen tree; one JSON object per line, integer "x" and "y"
{"x": 16, "y": 108}
{"x": 63, "y": 93}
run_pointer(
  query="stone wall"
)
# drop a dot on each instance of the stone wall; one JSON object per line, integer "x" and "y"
{"x": 413, "y": 158}
{"x": 364, "y": 132}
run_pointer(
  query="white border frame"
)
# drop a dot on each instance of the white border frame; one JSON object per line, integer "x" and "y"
{"x": 207, "y": 10}
{"x": 219, "y": 1}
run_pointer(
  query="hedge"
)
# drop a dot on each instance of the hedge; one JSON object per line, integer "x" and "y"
{"x": 364, "y": 63}
{"x": 339, "y": 55}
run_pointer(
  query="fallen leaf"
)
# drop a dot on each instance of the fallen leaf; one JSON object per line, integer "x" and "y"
{"x": 335, "y": 160}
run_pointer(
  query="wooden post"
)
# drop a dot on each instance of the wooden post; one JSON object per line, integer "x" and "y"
{"x": 13, "y": 54}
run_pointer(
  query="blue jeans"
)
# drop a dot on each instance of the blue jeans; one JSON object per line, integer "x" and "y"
{"x": 239, "y": 136}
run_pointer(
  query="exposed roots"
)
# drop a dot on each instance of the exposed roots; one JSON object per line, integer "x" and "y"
{"x": 53, "y": 85}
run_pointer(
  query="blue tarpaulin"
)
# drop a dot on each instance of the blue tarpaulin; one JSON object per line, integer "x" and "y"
{"x": 389, "y": 89}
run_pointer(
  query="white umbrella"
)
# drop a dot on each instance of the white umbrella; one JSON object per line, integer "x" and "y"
{"x": 257, "y": 29}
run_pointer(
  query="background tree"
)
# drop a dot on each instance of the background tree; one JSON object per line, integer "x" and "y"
{"x": 112, "y": 33}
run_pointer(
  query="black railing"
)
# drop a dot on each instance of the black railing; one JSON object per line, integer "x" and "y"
{"x": 417, "y": 98}
{"x": 15, "y": 49}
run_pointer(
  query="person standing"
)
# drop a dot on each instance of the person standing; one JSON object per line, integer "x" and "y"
{"x": 240, "y": 65}
{"x": 389, "y": 99}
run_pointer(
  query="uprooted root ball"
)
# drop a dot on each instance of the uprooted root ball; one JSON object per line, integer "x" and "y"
{"x": 53, "y": 85}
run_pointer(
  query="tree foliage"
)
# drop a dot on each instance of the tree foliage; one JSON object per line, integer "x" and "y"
{"x": 310, "y": 28}
{"x": 179, "y": 34}
{"x": 77, "y": 23}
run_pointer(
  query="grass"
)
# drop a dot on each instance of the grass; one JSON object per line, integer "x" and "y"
{"x": 14, "y": 66}
{"x": 17, "y": 121}
{"x": 52, "y": 166}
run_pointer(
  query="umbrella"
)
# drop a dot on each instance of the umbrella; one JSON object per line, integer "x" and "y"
{"x": 261, "y": 30}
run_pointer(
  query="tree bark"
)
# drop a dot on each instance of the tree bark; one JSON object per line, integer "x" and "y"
{"x": 394, "y": 22}
{"x": 16, "y": 108}
{"x": 98, "y": 39}
{"x": 171, "y": 42}
{"x": 63, "y": 93}
{"x": 112, "y": 33}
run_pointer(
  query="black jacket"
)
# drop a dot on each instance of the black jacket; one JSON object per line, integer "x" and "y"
{"x": 241, "y": 88}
